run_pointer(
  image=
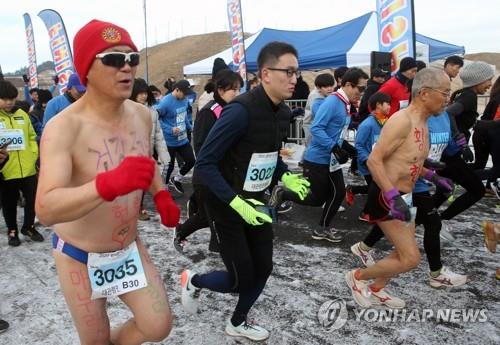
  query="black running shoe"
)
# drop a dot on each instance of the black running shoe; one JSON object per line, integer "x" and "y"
{"x": 13, "y": 238}
{"x": 284, "y": 207}
{"x": 4, "y": 325}
{"x": 32, "y": 234}
{"x": 179, "y": 243}
{"x": 177, "y": 185}
{"x": 276, "y": 196}
{"x": 328, "y": 234}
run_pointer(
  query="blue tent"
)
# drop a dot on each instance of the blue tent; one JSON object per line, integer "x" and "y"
{"x": 346, "y": 44}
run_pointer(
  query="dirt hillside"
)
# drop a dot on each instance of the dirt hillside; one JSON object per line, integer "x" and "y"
{"x": 491, "y": 58}
{"x": 168, "y": 59}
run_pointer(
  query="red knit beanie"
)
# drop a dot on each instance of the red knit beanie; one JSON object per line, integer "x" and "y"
{"x": 95, "y": 37}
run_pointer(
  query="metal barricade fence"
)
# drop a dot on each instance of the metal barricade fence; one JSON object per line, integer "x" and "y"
{"x": 295, "y": 132}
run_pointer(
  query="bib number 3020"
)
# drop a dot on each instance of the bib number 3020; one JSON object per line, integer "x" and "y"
{"x": 261, "y": 174}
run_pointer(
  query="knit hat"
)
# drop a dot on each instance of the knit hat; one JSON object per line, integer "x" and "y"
{"x": 93, "y": 38}
{"x": 475, "y": 73}
{"x": 407, "y": 63}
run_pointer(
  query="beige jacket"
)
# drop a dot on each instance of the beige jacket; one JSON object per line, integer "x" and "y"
{"x": 157, "y": 140}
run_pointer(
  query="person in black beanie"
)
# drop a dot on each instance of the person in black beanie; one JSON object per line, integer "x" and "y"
{"x": 219, "y": 65}
{"x": 396, "y": 86}
{"x": 373, "y": 85}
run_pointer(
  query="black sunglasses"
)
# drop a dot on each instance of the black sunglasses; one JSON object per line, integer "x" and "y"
{"x": 360, "y": 88}
{"x": 118, "y": 59}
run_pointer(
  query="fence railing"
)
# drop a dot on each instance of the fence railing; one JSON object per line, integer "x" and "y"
{"x": 295, "y": 132}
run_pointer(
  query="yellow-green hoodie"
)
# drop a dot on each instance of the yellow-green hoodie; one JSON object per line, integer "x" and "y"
{"x": 21, "y": 163}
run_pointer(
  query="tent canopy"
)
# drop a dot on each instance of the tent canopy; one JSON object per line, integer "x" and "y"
{"x": 346, "y": 44}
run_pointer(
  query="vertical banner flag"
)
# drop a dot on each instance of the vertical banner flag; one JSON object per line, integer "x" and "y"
{"x": 396, "y": 29}
{"x": 237, "y": 39}
{"x": 59, "y": 46}
{"x": 30, "y": 38}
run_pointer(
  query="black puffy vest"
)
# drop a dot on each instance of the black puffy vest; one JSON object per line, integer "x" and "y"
{"x": 267, "y": 128}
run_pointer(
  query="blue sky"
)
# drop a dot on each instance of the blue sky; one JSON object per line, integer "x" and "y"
{"x": 446, "y": 20}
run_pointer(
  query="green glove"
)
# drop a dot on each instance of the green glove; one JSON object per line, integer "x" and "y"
{"x": 246, "y": 209}
{"x": 296, "y": 183}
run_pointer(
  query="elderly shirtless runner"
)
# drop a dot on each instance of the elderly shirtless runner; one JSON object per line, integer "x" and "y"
{"x": 96, "y": 163}
{"x": 396, "y": 162}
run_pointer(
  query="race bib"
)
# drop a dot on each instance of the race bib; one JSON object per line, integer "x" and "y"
{"x": 334, "y": 163}
{"x": 260, "y": 171}
{"x": 116, "y": 273}
{"x": 181, "y": 124}
{"x": 408, "y": 199}
{"x": 436, "y": 150}
{"x": 344, "y": 134}
{"x": 16, "y": 138}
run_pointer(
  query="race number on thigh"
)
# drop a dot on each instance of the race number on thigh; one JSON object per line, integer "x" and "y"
{"x": 260, "y": 171}
{"x": 116, "y": 273}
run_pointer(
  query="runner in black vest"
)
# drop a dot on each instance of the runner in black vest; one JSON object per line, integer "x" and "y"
{"x": 237, "y": 163}
{"x": 228, "y": 85}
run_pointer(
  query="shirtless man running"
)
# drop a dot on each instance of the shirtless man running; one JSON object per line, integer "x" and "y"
{"x": 95, "y": 166}
{"x": 395, "y": 163}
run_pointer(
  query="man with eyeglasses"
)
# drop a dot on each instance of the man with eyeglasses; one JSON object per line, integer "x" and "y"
{"x": 96, "y": 164}
{"x": 237, "y": 163}
{"x": 325, "y": 155}
{"x": 396, "y": 163}
{"x": 396, "y": 86}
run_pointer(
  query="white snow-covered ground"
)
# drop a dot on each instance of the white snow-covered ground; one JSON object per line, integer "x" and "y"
{"x": 306, "y": 274}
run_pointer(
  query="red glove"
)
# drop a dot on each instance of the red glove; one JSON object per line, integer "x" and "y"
{"x": 133, "y": 173}
{"x": 166, "y": 207}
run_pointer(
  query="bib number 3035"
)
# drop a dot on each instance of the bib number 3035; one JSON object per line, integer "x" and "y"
{"x": 116, "y": 273}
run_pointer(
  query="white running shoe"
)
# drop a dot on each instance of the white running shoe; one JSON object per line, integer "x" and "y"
{"x": 359, "y": 290}
{"x": 495, "y": 188}
{"x": 246, "y": 330}
{"x": 189, "y": 293}
{"x": 447, "y": 278}
{"x": 445, "y": 233}
{"x": 364, "y": 255}
{"x": 383, "y": 297}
